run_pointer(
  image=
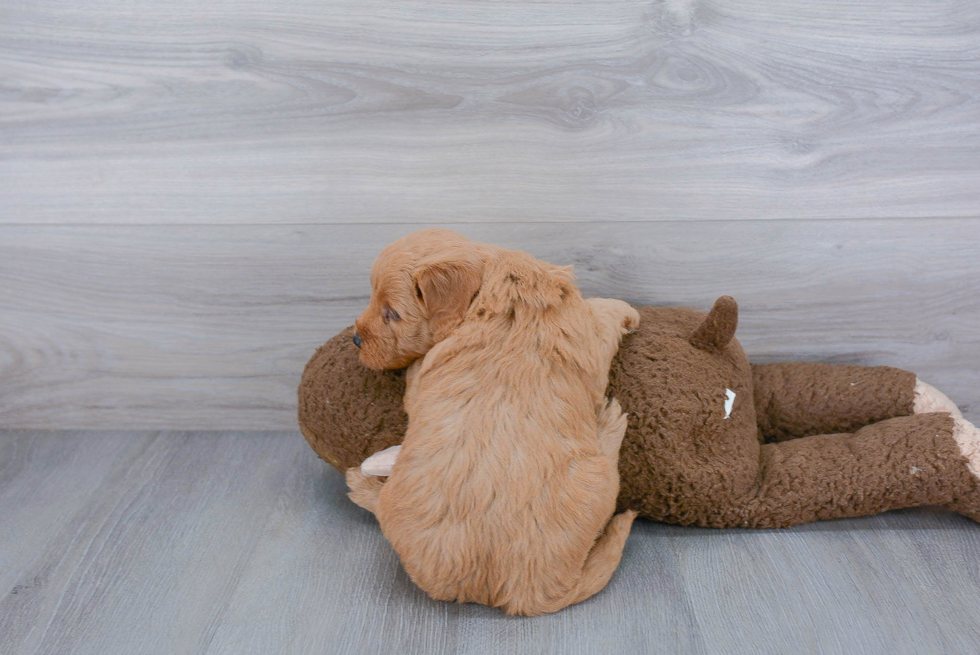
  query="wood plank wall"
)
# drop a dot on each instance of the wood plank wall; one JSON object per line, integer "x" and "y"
{"x": 191, "y": 194}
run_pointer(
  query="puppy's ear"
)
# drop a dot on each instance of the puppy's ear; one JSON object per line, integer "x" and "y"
{"x": 445, "y": 288}
{"x": 518, "y": 282}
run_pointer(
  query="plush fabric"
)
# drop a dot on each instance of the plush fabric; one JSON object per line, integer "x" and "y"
{"x": 800, "y": 442}
{"x": 794, "y": 399}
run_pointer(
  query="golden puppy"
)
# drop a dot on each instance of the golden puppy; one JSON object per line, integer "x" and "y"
{"x": 503, "y": 490}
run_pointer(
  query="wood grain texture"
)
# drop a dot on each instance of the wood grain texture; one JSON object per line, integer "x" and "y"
{"x": 195, "y": 327}
{"x": 232, "y": 543}
{"x": 357, "y": 111}
{"x": 147, "y": 561}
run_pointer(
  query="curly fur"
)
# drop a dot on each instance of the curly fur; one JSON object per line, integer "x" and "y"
{"x": 507, "y": 479}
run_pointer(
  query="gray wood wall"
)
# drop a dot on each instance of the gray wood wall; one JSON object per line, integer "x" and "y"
{"x": 191, "y": 194}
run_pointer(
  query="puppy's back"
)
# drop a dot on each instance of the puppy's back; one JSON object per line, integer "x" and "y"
{"x": 501, "y": 487}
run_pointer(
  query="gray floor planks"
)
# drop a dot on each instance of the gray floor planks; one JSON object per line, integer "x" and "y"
{"x": 208, "y": 327}
{"x": 146, "y": 564}
{"x": 424, "y": 110}
{"x": 245, "y": 543}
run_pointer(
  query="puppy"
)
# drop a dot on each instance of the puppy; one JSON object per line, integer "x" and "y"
{"x": 508, "y": 475}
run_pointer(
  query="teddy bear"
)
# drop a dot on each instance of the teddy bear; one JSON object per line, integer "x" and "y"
{"x": 713, "y": 440}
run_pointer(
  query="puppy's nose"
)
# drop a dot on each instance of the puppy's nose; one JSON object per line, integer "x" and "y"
{"x": 357, "y": 340}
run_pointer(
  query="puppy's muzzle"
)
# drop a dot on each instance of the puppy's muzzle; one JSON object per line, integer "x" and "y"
{"x": 357, "y": 339}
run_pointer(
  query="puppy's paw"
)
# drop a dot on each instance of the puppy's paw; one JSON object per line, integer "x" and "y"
{"x": 364, "y": 489}
{"x": 610, "y": 417}
{"x": 632, "y": 320}
{"x": 610, "y": 428}
{"x": 620, "y": 313}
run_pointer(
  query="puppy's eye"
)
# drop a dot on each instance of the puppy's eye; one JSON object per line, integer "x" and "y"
{"x": 390, "y": 314}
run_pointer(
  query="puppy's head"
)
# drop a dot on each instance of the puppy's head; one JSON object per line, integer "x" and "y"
{"x": 421, "y": 287}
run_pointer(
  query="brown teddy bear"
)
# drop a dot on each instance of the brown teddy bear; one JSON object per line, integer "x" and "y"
{"x": 713, "y": 440}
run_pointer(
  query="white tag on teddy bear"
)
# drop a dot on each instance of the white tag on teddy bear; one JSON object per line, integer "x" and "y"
{"x": 380, "y": 463}
{"x": 730, "y": 402}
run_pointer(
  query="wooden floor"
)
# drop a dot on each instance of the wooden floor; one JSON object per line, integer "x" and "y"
{"x": 238, "y": 543}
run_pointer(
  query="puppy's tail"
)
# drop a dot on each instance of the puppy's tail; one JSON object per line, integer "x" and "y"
{"x": 599, "y": 567}
{"x": 718, "y": 327}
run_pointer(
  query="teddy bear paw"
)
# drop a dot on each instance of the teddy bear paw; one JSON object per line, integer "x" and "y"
{"x": 381, "y": 463}
{"x": 929, "y": 399}
{"x": 967, "y": 437}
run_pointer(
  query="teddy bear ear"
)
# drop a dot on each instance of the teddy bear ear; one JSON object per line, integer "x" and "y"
{"x": 718, "y": 327}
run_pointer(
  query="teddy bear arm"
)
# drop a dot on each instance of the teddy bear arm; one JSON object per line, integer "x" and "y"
{"x": 799, "y": 399}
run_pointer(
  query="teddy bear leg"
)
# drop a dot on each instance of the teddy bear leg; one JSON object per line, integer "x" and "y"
{"x": 900, "y": 462}
{"x": 799, "y": 399}
{"x": 616, "y": 318}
